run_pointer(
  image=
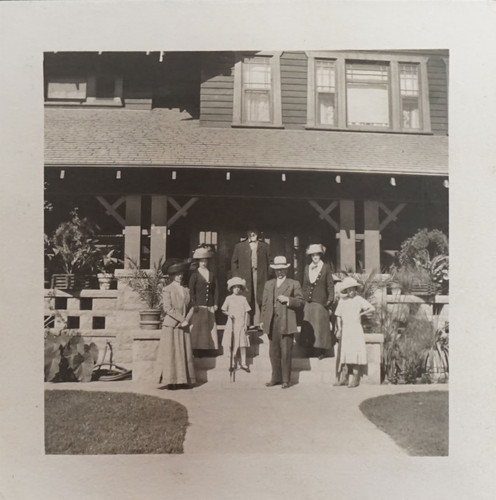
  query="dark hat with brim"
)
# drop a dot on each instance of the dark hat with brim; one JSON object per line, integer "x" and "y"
{"x": 175, "y": 266}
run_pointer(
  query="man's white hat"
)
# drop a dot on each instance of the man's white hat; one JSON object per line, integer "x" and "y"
{"x": 280, "y": 262}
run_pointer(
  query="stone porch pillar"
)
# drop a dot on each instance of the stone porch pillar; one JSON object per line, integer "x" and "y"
{"x": 132, "y": 231}
{"x": 347, "y": 235}
{"x": 371, "y": 242}
{"x": 158, "y": 233}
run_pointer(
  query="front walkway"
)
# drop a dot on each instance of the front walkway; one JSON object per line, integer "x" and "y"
{"x": 247, "y": 417}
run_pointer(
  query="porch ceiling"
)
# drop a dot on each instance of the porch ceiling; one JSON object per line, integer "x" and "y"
{"x": 110, "y": 137}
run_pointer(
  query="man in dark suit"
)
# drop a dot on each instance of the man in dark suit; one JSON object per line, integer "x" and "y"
{"x": 281, "y": 298}
{"x": 250, "y": 261}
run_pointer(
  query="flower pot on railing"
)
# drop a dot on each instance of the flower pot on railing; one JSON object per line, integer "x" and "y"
{"x": 150, "y": 319}
{"x": 105, "y": 280}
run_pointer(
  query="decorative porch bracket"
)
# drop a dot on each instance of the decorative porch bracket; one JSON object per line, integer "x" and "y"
{"x": 392, "y": 215}
{"x": 182, "y": 211}
{"x": 324, "y": 213}
{"x": 111, "y": 209}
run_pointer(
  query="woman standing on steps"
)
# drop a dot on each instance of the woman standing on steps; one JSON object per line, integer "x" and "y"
{"x": 175, "y": 357}
{"x": 204, "y": 301}
{"x": 318, "y": 292}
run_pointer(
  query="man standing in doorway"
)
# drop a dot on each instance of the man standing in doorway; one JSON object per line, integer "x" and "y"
{"x": 281, "y": 298}
{"x": 250, "y": 261}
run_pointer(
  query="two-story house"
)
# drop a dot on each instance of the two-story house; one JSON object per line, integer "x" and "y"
{"x": 167, "y": 150}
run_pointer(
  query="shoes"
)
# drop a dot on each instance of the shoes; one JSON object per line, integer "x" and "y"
{"x": 339, "y": 383}
{"x": 354, "y": 383}
{"x": 285, "y": 385}
{"x": 270, "y": 384}
{"x": 322, "y": 356}
{"x": 246, "y": 368}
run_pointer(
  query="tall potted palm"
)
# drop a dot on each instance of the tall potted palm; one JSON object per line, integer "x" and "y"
{"x": 147, "y": 284}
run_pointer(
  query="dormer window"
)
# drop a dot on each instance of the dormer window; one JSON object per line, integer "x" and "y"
{"x": 91, "y": 90}
{"x": 358, "y": 91}
{"x": 257, "y": 90}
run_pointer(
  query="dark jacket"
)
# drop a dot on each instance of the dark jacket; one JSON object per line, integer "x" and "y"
{"x": 241, "y": 266}
{"x": 203, "y": 293}
{"x": 322, "y": 291}
{"x": 279, "y": 315}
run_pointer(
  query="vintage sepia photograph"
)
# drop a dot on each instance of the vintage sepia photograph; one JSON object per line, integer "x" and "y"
{"x": 220, "y": 225}
{"x": 258, "y": 235}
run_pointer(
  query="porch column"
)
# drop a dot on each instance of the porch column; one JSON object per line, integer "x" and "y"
{"x": 158, "y": 233}
{"x": 132, "y": 231}
{"x": 347, "y": 244}
{"x": 371, "y": 242}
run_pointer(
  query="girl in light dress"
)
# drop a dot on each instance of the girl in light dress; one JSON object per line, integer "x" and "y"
{"x": 236, "y": 308}
{"x": 350, "y": 309}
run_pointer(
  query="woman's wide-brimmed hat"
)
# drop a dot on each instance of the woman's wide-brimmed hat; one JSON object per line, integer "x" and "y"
{"x": 316, "y": 248}
{"x": 203, "y": 253}
{"x": 175, "y": 266}
{"x": 236, "y": 281}
{"x": 349, "y": 282}
{"x": 280, "y": 263}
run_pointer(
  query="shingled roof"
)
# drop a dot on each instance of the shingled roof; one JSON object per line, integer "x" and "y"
{"x": 160, "y": 137}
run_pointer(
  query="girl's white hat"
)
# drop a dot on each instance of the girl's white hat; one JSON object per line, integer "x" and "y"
{"x": 280, "y": 263}
{"x": 349, "y": 282}
{"x": 316, "y": 248}
{"x": 203, "y": 253}
{"x": 236, "y": 281}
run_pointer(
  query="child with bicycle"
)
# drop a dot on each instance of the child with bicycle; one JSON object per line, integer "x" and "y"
{"x": 236, "y": 308}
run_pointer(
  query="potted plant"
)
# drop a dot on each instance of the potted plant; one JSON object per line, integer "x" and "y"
{"x": 147, "y": 284}
{"x": 75, "y": 252}
{"x": 107, "y": 265}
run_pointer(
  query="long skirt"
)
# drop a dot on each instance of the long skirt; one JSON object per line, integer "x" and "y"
{"x": 203, "y": 329}
{"x": 316, "y": 326}
{"x": 175, "y": 358}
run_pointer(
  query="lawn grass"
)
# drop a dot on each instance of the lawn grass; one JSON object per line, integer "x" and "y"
{"x": 94, "y": 423}
{"x": 417, "y": 421}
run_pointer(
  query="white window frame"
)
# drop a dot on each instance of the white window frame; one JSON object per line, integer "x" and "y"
{"x": 394, "y": 60}
{"x": 275, "y": 91}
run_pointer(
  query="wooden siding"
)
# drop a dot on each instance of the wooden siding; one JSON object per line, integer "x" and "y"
{"x": 438, "y": 95}
{"x": 217, "y": 89}
{"x": 294, "y": 89}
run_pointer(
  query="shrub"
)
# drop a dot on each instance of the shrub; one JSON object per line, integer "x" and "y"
{"x": 68, "y": 358}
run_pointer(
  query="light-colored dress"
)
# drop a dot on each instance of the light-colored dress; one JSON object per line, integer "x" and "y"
{"x": 352, "y": 349}
{"x": 237, "y": 306}
{"x": 175, "y": 356}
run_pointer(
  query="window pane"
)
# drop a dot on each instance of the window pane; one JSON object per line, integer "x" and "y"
{"x": 368, "y": 106}
{"x": 256, "y": 73}
{"x": 325, "y": 76}
{"x": 367, "y": 94}
{"x": 66, "y": 89}
{"x": 326, "y": 114}
{"x": 256, "y": 106}
{"x": 409, "y": 79}
{"x": 411, "y": 113}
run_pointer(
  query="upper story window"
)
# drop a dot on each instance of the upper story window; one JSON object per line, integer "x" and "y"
{"x": 368, "y": 92}
{"x": 257, "y": 90}
{"x": 96, "y": 90}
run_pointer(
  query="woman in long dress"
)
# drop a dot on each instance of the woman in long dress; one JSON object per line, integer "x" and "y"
{"x": 204, "y": 300}
{"x": 175, "y": 356}
{"x": 318, "y": 292}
